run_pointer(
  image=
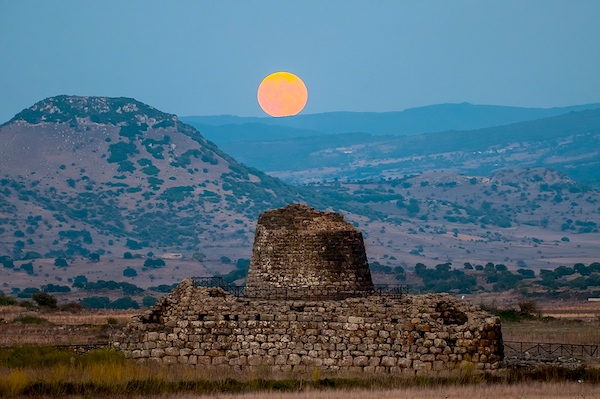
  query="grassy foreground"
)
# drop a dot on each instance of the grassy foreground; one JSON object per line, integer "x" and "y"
{"x": 530, "y": 390}
{"x": 34, "y": 371}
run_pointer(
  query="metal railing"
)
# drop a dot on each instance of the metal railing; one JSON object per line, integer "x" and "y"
{"x": 316, "y": 292}
{"x": 78, "y": 348}
{"x": 219, "y": 282}
{"x": 548, "y": 349}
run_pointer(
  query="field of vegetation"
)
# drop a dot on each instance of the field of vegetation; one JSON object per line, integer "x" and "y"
{"x": 528, "y": 390}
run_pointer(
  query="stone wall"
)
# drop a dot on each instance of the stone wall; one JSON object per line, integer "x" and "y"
{"x": 208, "y": 327}
{"x": 300, "y": 252}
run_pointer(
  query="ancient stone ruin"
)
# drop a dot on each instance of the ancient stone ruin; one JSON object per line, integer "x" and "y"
{"x": 310, "y": 303}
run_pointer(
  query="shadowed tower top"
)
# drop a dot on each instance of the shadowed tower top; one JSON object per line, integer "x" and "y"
{"x": 300, "y": 252}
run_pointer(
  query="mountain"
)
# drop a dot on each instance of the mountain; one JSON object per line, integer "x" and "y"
{"x": 411, "y": 121}
{"x": 82, "y": 173}
{"x": 567, "y": 142}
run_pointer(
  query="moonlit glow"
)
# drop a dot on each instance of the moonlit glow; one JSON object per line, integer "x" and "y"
{"x": 282, "y": 94}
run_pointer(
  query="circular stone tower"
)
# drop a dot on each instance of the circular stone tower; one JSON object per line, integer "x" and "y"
{"x": 302, "y": 253}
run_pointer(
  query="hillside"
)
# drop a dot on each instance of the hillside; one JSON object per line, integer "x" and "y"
{"x": 82, "y": 174}
{"x": 521, "y": 219}
{"x": 524, "y": 217}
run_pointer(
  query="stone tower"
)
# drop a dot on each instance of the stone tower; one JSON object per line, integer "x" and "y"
{"x": 302, "y": 253}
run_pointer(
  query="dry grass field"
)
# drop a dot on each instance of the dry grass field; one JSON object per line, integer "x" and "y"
{"x": 558, "y": 330}
{"x": 499, "y": 391}
{"x": 19, "y": 326}
{"x": 530, "y": 390}
{"x": 572, "y": 310}
{"x": 106, "y": 374}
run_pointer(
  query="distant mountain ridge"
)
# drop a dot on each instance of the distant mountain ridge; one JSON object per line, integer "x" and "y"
{"x": 429, "y": 119}
{"x": 568, "y": 142}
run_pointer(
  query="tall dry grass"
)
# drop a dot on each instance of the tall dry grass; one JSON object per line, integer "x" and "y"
{"x": 557, "y": 330}
{"x": 46, "y": 371}
{"x": 83, "y": 317}
{"x": 530, "y": 390}
{"x": 59, "y": 327}
{"x": 567, "y": 390}
{"x": 126, "y": 380}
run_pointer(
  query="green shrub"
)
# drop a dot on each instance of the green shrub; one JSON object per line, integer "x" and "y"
{"x": 129, "y": 272}
{"x": 131, "y": 131}
{"x": 120, "y": 151}
{"x": 155, "y": 183}
{"x": 148, "y": 301}
{"x": 27, "y": 292}
{"x": 60, "y": 262}
{"x": 177, "y": 194}
{"x": 27, "y": 267}
{"x": 29, "y": 305}
{"x": 31, "y": 255}
{"x": 185, "y": 159}
{"x": 31, "y": 320}
{"x": 6, "y": 300}
{"x": 526, "y": 273}
{"x": 124, "y": 303}
{"x": 55, "y": 288}
{"x": 144, "y": 162}
{"x": 164, "y": 288}
{"x": 151, "y": 170}
{"x": 44, "y": 299}
{"x": 133, "y": 244}
{"x": 154, "y": 263}
{"x": 95, "y": 302}
{"x": 126, "y": 166}
{"x": 80, "y": 281}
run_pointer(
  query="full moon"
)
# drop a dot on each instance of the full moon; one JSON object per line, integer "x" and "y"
{"x": 282, "y": 94}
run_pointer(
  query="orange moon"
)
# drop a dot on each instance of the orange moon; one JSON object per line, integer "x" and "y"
{"x": 282, "y": 94}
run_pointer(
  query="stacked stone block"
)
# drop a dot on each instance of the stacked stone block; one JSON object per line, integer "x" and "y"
{"x": 208, "y": 327}
{"x": 300, "y": 252}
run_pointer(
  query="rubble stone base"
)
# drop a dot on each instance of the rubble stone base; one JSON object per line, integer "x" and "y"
{"x": 208, "y": 327}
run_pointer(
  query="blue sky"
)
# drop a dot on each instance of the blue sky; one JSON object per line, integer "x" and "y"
{"x": 208, "y": 57}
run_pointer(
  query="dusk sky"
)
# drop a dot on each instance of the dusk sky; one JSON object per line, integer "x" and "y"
{"x": 208, "y": 57}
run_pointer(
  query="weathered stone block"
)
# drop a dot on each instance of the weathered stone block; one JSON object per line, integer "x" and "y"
{"x": 360, "y": 361}
{"x": 169, "y": 359}
{"x": 294, "y": 359}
